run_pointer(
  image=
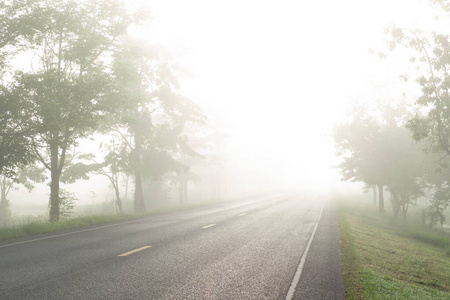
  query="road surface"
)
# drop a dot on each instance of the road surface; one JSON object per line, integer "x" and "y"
{"x": 283, "y": 247}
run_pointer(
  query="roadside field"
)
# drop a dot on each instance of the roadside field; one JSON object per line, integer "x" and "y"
{"x": 386, "y": 258}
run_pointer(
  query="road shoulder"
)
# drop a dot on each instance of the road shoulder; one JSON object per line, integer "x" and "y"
{"x": 322, "y": 273}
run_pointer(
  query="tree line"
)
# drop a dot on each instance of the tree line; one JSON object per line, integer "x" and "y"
{"x": 86, "y": 76}
{"x": 403, "y": 147}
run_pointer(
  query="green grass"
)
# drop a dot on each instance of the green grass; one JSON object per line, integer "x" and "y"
{"x": 39, "y": 226}
{"x": 391, "y": 259}
{"x": 352, "y": 280}
{"x": 384, "y": 287}
{"x": 33, "y": 226}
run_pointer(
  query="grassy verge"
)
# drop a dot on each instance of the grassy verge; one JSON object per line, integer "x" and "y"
{"x": 32, "y": 227}
{"x": 391, "y": 259}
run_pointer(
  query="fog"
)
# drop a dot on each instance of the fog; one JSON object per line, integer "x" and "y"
{"x": 240, "y": 149}
{"x": 276, "y": 76}
{"x": 272, "y": 77}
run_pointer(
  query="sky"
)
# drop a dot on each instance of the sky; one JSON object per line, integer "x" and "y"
{"x": 276, "y": 75}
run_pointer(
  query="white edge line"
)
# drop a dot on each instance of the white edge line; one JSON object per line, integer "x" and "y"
{"x": 296, "y": 279}
{"x": 243, "y": 214}
{"x": 207, "y": 226}
{"x": 84, "y": 230}
{"x": 74, "y": 232}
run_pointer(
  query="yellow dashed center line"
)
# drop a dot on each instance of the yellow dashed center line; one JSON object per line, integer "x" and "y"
{"x": 134, "y": 251}
{"x": 207, "y": 226}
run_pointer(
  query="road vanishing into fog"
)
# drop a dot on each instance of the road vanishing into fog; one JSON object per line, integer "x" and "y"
{"x": 279, "y": 247}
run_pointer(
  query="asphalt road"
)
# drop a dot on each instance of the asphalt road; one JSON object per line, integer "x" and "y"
{"x": 273, "y": 248}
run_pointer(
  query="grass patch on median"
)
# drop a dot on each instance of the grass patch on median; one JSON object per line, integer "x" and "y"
{"x": 29, "y": 226}
{"x": 385, "y": 258}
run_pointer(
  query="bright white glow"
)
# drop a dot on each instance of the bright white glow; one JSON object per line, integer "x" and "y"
{"x": 277, "y": 74}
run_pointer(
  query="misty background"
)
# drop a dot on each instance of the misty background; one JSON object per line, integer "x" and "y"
{"x": 272, "y": 78}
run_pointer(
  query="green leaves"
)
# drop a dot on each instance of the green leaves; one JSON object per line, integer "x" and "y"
{"x": 74, "y": 172}
{"x": 376, "y": 149}
{"x": 16, "y": 129}
{"x": 420, "y": 127}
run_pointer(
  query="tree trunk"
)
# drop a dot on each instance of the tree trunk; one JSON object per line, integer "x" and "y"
{"x": 54, "y": 184}
{"x": 180, "y": 191}
{"x": 4, "y": 209}
{"x": 127, "y": 181}
{"x": 380, "y": 199}
{"x": 139, "y": 204}
{"x": 405, "y": 207}
{"x": 118, "y": 200}
{"x": 375, "y": 195}
{"x": 185, "y": 189}
{"x": 395, "y": 204}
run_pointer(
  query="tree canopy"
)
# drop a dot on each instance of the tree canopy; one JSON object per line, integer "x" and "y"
{"x": 88, "y": 77}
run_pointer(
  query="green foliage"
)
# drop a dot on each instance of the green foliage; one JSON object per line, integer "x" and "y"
{"x": 15, "y": 132}
{"x": 88, "y": 75}
{"x": 433, "y": 51}
{"x": 20, "y": 21}
{"x": 376, "y": 149}
{"x": 66, "y": 204}
{"x": 438, "y": 204}
{"x": 150, "y": 125}
{"x": 64, "y": 98}
{"x": 30, "y": 175}
{"x": 431, "y": 124}
{"x": 76, "y": 171}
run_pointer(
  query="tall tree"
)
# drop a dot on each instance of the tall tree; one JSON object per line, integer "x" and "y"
{"x": 154, "y": 112}
{"x": 20, "y": 20}
{"x": 377, "y": 150}
{"x": 358, "y": 144}
{"x": 405, "y": 177}
{"x": 431, "y": 124}
{"x": 66, "y": 92}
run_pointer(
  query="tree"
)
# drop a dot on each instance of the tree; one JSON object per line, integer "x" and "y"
{"x": 432, "y": 58}
{"x": 112, "y": 166}
{"x": 20, "y": 20}
{"x": 431, "y": 124}
{"x": 66, "y": 92}
{"x": 377, "y": 150}
{"x": 114, "y": 163}
{"x": 200, "y": 154}
{"x": 405, "y": 178}
{"x": 437, "y": 179}
{"x": 153, "y": 115}
{"x": 357, "y": 143}
{"x": 27, "y": 176}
